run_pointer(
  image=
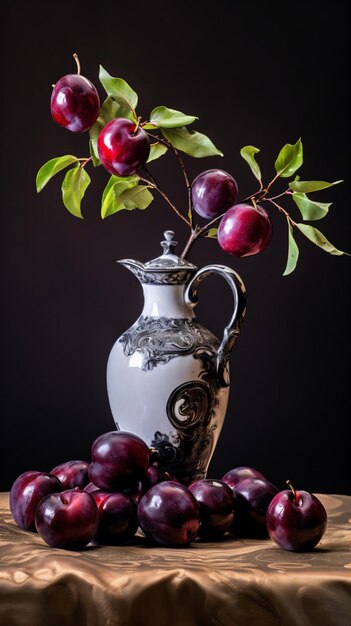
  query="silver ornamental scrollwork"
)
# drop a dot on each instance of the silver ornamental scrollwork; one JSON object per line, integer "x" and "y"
{"x": 190, "y": 409}
{"x": 160, "y": 339}
{"x": 158, "y": 277}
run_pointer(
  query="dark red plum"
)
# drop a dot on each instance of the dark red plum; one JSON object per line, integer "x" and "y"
{"x": 169, "y": 514}
{"x": 213, "y": 192}
{"x": 75, "y": 103}
{"x": 245, "y": 230}
{"x": 68, "y": 519}
{"x": 118, "y": 521}
{"x": 25, "y": 494}
{"x": 72, "y": 474}
{"x": 253, "y": 498}
{"x": 123, "y": 148}
{"x": 154, "y": 475}
{"x": 90, "y": 487}
{"x": 235, "y": 475}
{"x": 119, "y": 460}
{"x": 216, "y": 504}
{"x": 296, "y": 520}
{"x": 135, "y": 491}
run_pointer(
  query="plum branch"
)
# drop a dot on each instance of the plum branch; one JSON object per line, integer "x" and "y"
{"x": 165, "y": 196}
{"x": 119, "y": 141}
{"x": 184, "y": 172}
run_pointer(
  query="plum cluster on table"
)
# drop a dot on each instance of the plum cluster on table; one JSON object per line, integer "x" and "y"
{"x": 123, "y": 487}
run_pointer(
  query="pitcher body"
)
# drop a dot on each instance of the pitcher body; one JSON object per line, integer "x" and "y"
{"x": 167, "y": 375}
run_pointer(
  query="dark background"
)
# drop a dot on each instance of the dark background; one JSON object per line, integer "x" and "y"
{"x": 256, "y": 73}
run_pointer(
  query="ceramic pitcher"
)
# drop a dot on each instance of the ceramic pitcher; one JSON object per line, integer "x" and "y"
{"x": 167, "y": 375}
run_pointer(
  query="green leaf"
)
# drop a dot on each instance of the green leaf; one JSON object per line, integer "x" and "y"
{"x": 248, "y": 153}
{"x": 116, "y": 185}
{"x": 52, "y": 167}
{"x": 121, "y": 92}
{"x": 108, "y": 201}
{"x": 191, "y": 142}
{"x": 109, "y": 110}
{"x": 293, "y": 252}
{"x": 290, "y": 158}
{"x": 73, "y": 189}
{"x": 93, "y": 152}
{"x": 156, "y": 151}
{"x": 212, "y": 233}
{"x": 309, "y": 209}
{"x": 307, "y": 186}
{"x": 162, "y": 117}
{"x": 138, "y": 197}
{"x": 319, "y": 239}
{"x": 148, "y": 126}
{"x": 94, "y": 134}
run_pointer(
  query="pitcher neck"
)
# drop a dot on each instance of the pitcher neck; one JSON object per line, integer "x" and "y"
{"x": 166, "y": 301}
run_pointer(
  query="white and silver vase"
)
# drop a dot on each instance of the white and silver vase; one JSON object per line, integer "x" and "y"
{"x": 168, "y": 376}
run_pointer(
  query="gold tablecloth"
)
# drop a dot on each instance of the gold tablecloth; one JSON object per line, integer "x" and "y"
{"x": 229, "y": 583}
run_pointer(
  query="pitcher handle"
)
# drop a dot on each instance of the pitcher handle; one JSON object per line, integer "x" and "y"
{"x": 232, "y": 329}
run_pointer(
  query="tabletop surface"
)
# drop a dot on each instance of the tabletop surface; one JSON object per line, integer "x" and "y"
{"x": 234, "y": 582}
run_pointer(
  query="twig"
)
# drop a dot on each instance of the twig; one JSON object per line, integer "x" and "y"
{"x": 185, "y": 174}
{"x": 164, "y": 195}
{"x": 84, "y": 162}
{"x": 194, "y": 235}
{"x": 280, "y": 208}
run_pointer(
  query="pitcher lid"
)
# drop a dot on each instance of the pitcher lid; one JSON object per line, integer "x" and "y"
{"x": 166, "y": 269}
{"x": 168, "y": 259}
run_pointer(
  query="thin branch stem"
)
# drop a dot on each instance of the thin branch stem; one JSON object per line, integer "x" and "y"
{"x": 207, "y": 226}
{"x": 195, "y": 233}
{"x": 280, "y": 208}
{"x": 184, "y": 171}
{"x": 158, "y": 139}
{"x": 287, "y": 192}
{"x": 271, "y": 183}
{"x": 187, "y": 182}
{"x": 256, "y": 192}
{"x": 84, "y": 162}
{"x": 153, "y": 179}
{"x": 164, "y": 195}
{"x": 199, "y": 231}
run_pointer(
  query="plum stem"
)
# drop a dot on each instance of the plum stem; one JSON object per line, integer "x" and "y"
{"x": 291, "y": 486}
{"x": 136, "y": 126}
{"x": 75, "y": 56}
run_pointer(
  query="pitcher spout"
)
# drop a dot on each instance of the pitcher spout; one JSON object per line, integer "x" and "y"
{"x": 167, "y": 269}
{"x": 137, "y": 267}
